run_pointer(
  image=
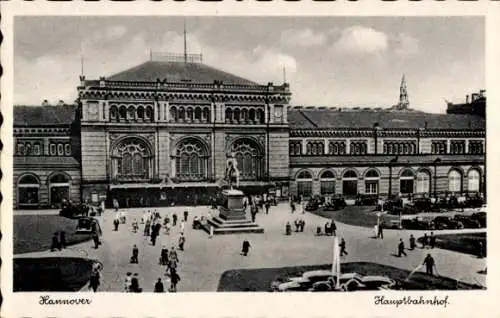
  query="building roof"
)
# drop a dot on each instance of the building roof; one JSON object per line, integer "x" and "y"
{"x": 176, "y": 72}
{"x": 313, "y": 118}
{"x": 32, "y": 116}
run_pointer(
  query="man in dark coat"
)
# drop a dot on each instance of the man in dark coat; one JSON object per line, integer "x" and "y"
{"x": 135, "y": 255}
{"x": 134, "y": 284}
{"x": 94, "y": 281}
{"x": 182, "y": 240}
{"x": 267, "y": 206}
{"x": 245, "y": 248}
{"x": 174, "y": 280}
{"x": 425, "y": 240}
{"x": 174, "y": 219}
{"x": 153, "y": 236}
{"x": 253, "y": 212}
{"x": 333, "y": 228}
{"x": 302, "y": 225}
{"x": 429, "y": 264}
{"x": 401, "y": 248}
{"x": 432, "y": 240}
{"x": 159, "y": 286}
{"x": 342, "y": 247}
{"x": 164, "y": 256}
{"x": 55, "y": 242}
{"x": 413, "y": 245}
{"x": 62, "y": 239}
{"x": 380, "y": 230}
{"x": 95, "y": 238}
{"x": 186, "y": 213}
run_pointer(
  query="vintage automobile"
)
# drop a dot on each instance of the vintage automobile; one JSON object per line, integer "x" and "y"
{"x": 445, "y": 222}
{"x": 480, "y": 217}
{"x": 87, "y": 225}
{"x": 74, "y": 211}
{"x": 354, "y": 281}
{"x": 312, "y": 205}
{"x": 467, "y": 221}
{"x": 418, "y": 224}
{"x": 334, "y": 204}
{"x": 367, "y": 199}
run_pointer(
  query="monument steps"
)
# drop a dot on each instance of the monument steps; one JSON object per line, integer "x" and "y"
{"x": 232, "y": 225}
{"x": 234, "y": 230}
{"x": 220, "y": 221}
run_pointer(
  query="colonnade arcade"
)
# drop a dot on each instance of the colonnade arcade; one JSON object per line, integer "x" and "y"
{"x": 410, "y": 181}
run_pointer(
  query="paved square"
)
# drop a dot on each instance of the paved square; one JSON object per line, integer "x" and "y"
{"x": 205, "y": 259}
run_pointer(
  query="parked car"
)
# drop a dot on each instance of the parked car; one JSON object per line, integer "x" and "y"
{"x": 423, "y": 204}
{"x": 480, "y": 217}
{"x": 354, "y": 281}
{"x": 445, "y": 222}
{"x": 335, "y": 204}
{"x": 312, "y": 205}
{"x": 418, "y": 224}
{"x": 301, "y": 283}
{"x": 467, "y": 221}
{"x": 367, "y": 199}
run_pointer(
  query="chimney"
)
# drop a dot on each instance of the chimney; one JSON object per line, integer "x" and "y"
{"x": 467, "y": 99}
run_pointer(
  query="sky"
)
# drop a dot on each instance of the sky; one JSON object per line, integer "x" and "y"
{"x": 328, "y": 61}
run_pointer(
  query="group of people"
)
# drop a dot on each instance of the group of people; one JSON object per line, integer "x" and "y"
{"x": 58, "y": 241}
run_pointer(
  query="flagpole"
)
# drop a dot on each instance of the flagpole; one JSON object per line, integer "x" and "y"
{"x": 336, "y": 262}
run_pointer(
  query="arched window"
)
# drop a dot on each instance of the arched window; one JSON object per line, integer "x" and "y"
{"x": 60, "y": 149}
{"x": 67, "y": 149}
{"x": 59, "y": 189}
{"x": 423, "y": 182}
{"x": 249, "y": 159}
{"x": 182, "y": 114}
{"x": 123, "y": 113}
{"x": 149, "y": 113}
{"x": 406, "y": 181}
{"x": 191, "y": 160}
{"x": 28, "y": 149}
{"x": 454, "y": 181}
{"x": 236, "y": 114}
{"x": 244, "y": 115}
{"x": 173, "y": 113}
{"x": 350, "y": 183}
{"x": 260, "y": 116}
{"x": 28, "y": 186}
{"x": 37, "y": 149}
{"x": 304, "y": 184}
{"x": 372, "y": 182}
{"x": 197, "y": 113}
{"x": 252, "y": 115}
{"x": 131, "y": 160}
{"x": 113, "y": 113}
{"x": 229, "y": 115}
{"x": 189, "y": 114}
{"x": 327, "y": 183}
{"x": 474, "y": 180}
{"x": 206, "y": 114}
{"x": 140, "y": 113}
{"x": 131, "y": 113}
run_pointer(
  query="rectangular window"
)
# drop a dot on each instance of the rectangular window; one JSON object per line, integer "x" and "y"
{"x": 371, "y": 187}
{"x": 36, "y": 149}
{"x": 457, "y": 147}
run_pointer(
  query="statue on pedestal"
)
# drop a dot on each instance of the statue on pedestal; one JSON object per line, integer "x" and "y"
{"x": 232, "y": 172}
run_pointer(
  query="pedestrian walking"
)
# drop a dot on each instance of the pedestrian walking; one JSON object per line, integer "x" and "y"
{"x": 55, "y": 243}
{"x": 174, "y": 219}
{"x": 134, "y": 284}
{"x": 302, "y": 225}
{"x": 159, "y": 286}
{"x": 94, "y": 280}
{"x": 153, "y": 237}
{"x": 135, "y": 226}
{"x": 429, "y": 264}
{"x": 245, "y": 248}
{"x": 297, "y": 225}
{"x": 288, "y": 228}
{"x": 182, "y": 240}
{"x": 173, "y": 254}
{"x": 268, "y": 205}
{"x": 182, "y": 225}
{"x": 480, "y": 249}
{"x": 116, "y": 222}
{"x": 95, "y": 238}
{"x": 62, "y": 239}
{"x": 413, "y": 244}
{"x": 333, "y": 228}
{"x": 380, "y": 231}
{"x": 128, "y": 282}
{"x": 401, "y": 248}
{"x": 342, "y": 247}
{"x": 425, "y": 240}
{"x": 135, "y": 255}
{"x": 164, "y": 256}
{"x": 174, "y": 280}
{"x": 186, "y": 213}
{"x": 292, "y": 206}
{"x": 253, "y": 212}
{"x": 432, "y": 240}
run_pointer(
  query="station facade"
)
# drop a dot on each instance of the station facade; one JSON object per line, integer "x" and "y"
{"x": 161, "y": 133}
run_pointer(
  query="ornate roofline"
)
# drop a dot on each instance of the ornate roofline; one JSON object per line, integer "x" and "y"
{"x": 410, "y": 133}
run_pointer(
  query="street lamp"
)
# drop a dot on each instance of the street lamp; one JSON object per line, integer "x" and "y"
{"x": 436, "y": 162}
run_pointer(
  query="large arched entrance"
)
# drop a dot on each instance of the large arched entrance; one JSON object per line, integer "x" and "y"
{"x": 350, "y": 183}
{"x": 27, "y": 190}
{"x": 474, "y": 180}
{"x": 304, "y": 184}
{"x": 191, "y": 160}
{"x": 59, "y": 188}
{"x": 406, "y": 182}
{"x": 423, "y": 182}
{"x": 132, "y": 160}
{"x": 249, "y": 158}
{"x": 455, "y": 181}
{"x": 327, "y": 183}
{"x": 372, "y": 179}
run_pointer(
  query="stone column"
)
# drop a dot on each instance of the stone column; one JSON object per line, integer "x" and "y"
{"x": 348, "y": 146}
{"x": 266, "y": 114}
{"x": 448, "y": 146}
{"x": 304, "y": 146}
{"x": 212, "y": 113}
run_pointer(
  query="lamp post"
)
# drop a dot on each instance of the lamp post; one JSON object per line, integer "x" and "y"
{"x": 393, "y": 161}
{"x": 436, "y": 162}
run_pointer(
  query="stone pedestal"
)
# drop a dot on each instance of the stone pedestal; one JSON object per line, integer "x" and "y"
{"x": 232, "y": 216}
